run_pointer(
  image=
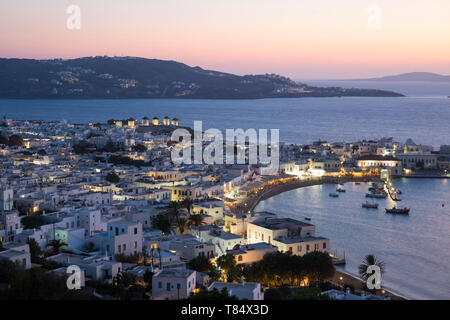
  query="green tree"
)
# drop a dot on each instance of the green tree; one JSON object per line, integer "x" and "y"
{"x": 133, "y": 258}
{"x": 203, "y": 264}
{"x": 33, "y": 221}
{"x": 180, "y": 224}
{"x": 35, "y": 251}
{"x": 195, "y": 220}
{"x": 227, "y": 263}
{"x": 112, "y": 177}
{"x": 187, "y": 203}
{"x": 4, "y": 139}
{"x": 139, "y": 148}
{"x": 124, "y": 280}
{"x": 35, "y": 284}
{"x": 318, "y": 266}
{"x": 56, "y": 245}
{"x": 89, "y": 247}
{"x": 161, "y": 222}
{"x": 15, "y": 140}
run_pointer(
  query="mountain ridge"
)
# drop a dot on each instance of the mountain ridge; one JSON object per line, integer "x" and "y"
{"x": 133, "y": 77}
{"x": 411, "y": 76}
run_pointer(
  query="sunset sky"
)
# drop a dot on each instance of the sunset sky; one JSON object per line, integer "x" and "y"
{"x": 303, "y": 39}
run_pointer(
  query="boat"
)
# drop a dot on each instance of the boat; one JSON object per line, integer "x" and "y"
{"x": 308, "y": 219}
{"x": 398, "y": 211}
{"x": 333, "y": 195}
{"x": 358, "y": 183}
{"x": 376, "y": 195}
{"x": 372, "y": 205}
{"x": 340, "y": 190}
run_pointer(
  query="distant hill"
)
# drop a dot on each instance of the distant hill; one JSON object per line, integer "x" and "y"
{"x": 131, "y": 77}
{"x": 413, "y": 76}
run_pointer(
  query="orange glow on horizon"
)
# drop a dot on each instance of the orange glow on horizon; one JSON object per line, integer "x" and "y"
{"x": 295, "y": 38}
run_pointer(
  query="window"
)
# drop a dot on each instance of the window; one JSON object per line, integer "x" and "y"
{"x": 239, "y": 258}
{"x": 307, "y": 247}
{"x": 299, "y": 248}
{"x": 135, "y": 244}
{"x": 135, "y": 230}
{"x": 316, "y": 246}
{"x": 160, "y": 284}
{"x": 324, "y": 245}
{"x": 178, "y": 286}
{"x": 168, "y": 286}
{"x": 262, "y": 236}
{"x": 118, "y": 248}
{"x": 124, "y": 247}
{"x": 290, "y": 249}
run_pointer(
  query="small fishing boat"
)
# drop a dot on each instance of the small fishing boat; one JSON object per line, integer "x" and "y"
{"x": 333, "y": 195}
{"x": 307, "y": 218}
{"x": 358, "y": 183}
{"x": 370, "y": 205}
{"x": 340, "y": 189}
{"x": 398, "y": 211}
{"x": 376, "y": 195}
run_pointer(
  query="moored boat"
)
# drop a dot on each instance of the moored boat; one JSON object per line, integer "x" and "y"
{"x": 398, "y": 210}
{"x": 368, "y": 204}
{"x": 376, "y": 195}
{"x": 333, "y": 195}
{"x": 308, "y": 219}
{"x": 340, "y": 190}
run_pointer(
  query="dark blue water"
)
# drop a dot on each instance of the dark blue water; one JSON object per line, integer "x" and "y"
{"x": 424, "y": 117}
{"x": 416, "y": 248}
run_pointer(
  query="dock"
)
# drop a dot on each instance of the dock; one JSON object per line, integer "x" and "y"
{"x": 336, "y": 259}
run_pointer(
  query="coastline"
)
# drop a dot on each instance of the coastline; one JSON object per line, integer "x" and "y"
{"x": 358, "y": 284}
{"x": 251, "y": 202}
{"x": 348, "y": 278}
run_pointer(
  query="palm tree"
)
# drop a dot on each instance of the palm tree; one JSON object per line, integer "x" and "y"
{"x": 151, "y": 252}
{"x": 368, "y": 261}
{"x": 181, "y": 224}
{"x": 124, "y": 280}
{"x": 195, "y": 220}
{"x": 56, "y": 245}
{"x": 187, "y": 203}
{"x": 160, "y": 259}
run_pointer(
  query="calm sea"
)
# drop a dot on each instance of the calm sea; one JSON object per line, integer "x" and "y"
{"x": 415, "y": 248}
{"x": 424, "y": 115}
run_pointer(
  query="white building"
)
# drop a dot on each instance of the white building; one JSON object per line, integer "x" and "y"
{"x": 222, "y": 240}
{"x": 287, "y": 235}
{"x": 18, "y": 253}
{"x": 122, "y": 237}
{"x": 173, "y": 284}
{"x": 6, "y": 199}
{"x": 252, "y": 252}
{"x": 244, "y": 290}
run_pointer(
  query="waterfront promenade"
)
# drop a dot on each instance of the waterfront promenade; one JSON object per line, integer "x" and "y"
{"x": 273, "y": 189}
